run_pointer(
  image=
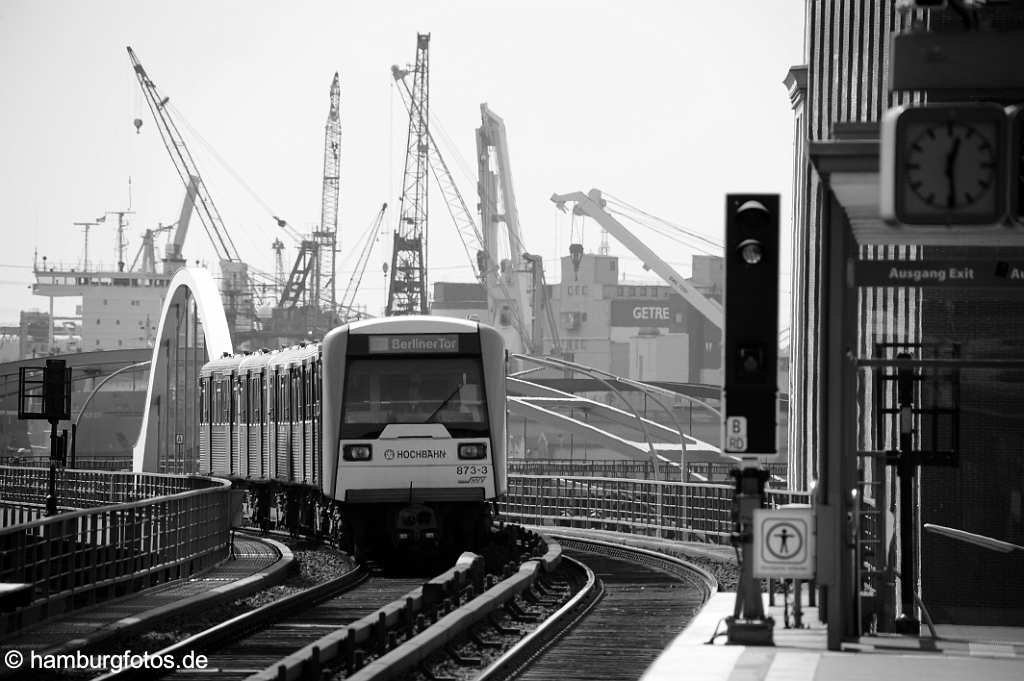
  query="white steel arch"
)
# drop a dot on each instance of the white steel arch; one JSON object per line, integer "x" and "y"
{"x": 192, "y": 329}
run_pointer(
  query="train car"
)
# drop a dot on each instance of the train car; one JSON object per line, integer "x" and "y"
{"x": 397, "y": 423}
{"x": 418, "y": 444}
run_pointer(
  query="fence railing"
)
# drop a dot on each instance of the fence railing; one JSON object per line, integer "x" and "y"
{"x": 671, "y": 510}
{"x": 134, "y": 531}
{"x": 699, "y": 471}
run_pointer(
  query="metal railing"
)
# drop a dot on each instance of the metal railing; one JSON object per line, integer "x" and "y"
{"x": 78, "y": 489}
{"x": 630, "y": 505}
{"x": 710, "y": 472}
{"x": 135, "y": 530}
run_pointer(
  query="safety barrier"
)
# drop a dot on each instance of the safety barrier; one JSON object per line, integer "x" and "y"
{"x": 137, "y": 530}
{"x": 77, "y": 489}
{"x": 699, "y": 471}
{"x": 672, "y": 510}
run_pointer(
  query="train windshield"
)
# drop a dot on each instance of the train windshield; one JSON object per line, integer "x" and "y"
{"x": 412, "y": 390}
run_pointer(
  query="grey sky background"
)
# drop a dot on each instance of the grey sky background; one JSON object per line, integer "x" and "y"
{"x": 666, "y": 105}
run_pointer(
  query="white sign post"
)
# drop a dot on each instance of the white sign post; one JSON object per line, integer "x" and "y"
{"x": 784, "y": 543}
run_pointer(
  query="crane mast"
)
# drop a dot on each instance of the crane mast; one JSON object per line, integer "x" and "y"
{"x": 407, "y": 288}
{"x": 497, "y": 206}
{"x": 235, "y": 273}
{"x": 484, "y": 266}
{"x": 326, "y": 238}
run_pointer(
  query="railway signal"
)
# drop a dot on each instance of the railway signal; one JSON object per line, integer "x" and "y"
{"x": 751, "y": 324}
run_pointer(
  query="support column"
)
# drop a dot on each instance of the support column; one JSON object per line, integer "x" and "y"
{"x": 838, "y": 465}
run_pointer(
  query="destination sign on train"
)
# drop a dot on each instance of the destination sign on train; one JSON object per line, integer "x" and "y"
{"x": 415, "y": 343}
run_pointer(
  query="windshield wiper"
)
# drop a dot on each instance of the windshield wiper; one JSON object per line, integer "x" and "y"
{"x": 443, "y": 404}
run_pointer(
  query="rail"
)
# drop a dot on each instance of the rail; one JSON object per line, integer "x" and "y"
{"x": 137, "y": 530}
{"x": 630, "y": 505}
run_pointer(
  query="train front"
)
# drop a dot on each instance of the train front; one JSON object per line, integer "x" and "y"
{"x": 414, "y": 415}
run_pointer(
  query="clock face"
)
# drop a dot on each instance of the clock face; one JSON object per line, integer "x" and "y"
{"x": 951, "y": 165}
{"x": 949, "y": 171}
{"x": 944, "y": 165}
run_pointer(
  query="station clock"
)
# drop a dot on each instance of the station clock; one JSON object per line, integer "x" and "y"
{"x": 944, "y": 164}
{"x": 1016, "y": 132}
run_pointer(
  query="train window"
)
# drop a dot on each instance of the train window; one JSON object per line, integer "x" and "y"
{"x": 271, "y": 399}
{"x": 409, "y": 390}
{"x": 243, "y": 399}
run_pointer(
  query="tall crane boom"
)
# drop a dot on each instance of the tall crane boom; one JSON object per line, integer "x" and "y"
{"x": 485, "y": 266}
{"x": 185, "y": 164}
{"x": 327, "y": 236}
{"x": 407, "y": 289}
{"x": 592, "y": 205}
{"x": 497, "y": 206}
{"x": 235, "y": 273}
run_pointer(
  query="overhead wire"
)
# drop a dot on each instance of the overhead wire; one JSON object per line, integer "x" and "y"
{"x": 696, "y": 235}
{"x": 280, "y": 222}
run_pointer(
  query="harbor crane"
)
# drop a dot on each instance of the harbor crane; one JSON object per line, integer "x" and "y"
{"x": 235, "y": 284}
{"x": 173, "y": 260}
{"x": 311, "y": 281}
{"x": 326, "y": 237}
{"x": 592, "y": 204}
{"x": 407, "y": 285}
{"x": 503, "y": 305}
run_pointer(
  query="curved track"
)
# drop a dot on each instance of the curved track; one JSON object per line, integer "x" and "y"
{"x": 642, "y": 609}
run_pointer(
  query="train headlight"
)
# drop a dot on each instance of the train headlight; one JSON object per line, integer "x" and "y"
{"x": 357, "y": 452}
{"x": 476, "y": 450}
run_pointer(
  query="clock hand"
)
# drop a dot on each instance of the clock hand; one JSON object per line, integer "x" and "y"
{"x": 950, "y": 162}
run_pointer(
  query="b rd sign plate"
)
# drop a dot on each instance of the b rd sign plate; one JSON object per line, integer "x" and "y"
{"x": 784, "y": 543}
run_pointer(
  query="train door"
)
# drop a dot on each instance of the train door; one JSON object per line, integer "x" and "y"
{"x": 237, "y": 424}
{"x": 283, "y": 425}
{"x": 262, "y": 453}
{"x": 205, "y": 432}
{"x": 314, "y": 419}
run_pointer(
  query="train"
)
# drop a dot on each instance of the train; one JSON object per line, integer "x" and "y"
{"x": 395, "y": 428}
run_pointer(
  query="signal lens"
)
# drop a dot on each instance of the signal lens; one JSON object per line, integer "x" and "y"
{"x": 751, "y": 251}
{"x": 476, "y": 450}
{"x": 357, "y": 452}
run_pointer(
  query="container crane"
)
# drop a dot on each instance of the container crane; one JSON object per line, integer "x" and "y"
{"x": 235, "y": 283}
{"x": 407, "y": 286}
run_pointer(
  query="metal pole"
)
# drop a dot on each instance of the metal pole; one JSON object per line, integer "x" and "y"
{"x": 906, "y": 622}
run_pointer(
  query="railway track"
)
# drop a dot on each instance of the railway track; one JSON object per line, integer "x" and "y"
{"x": 264, "y": 647}
{"x": 636, "y": 602}
{"x": 355, "y": 616}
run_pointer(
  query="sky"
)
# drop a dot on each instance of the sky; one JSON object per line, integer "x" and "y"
{"x": 665, "y": 105}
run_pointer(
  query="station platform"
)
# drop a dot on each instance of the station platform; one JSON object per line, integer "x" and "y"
{"x": 960, "y": 652}
{"x": 257, "y": 563}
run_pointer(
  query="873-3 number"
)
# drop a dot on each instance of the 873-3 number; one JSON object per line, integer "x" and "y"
{"x": 471, "y": 470}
